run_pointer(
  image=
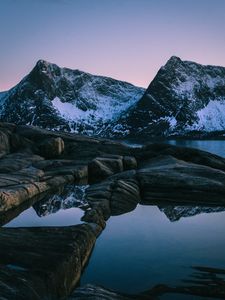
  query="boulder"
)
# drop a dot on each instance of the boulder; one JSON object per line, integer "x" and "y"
{"x": 103, "y": 167}
{"x": 125, "y": 196}
{"x": 4, "y": 143}
{"x": 51, "y": 147}
{"x": 169, "y": 179}
{"x": 43, "y": 263}
{"x": 129, "y": 163}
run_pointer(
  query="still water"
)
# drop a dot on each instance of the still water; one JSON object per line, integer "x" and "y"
{"x": 216, "y": 147}
{"x": 144, "y": 248}
{"x": 147, "y": 246}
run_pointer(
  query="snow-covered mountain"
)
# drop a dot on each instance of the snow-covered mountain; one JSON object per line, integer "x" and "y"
{"x": 184, "y": 97}
{"x": 61, "y": 98}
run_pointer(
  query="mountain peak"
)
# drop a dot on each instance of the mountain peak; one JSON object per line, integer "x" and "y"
{"x": 173, "y": 61}
{"x": 42, "y": 63}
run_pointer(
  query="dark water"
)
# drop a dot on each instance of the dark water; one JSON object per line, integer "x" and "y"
{"x": 216, "y": 147}
{"x": 144, "y": 248}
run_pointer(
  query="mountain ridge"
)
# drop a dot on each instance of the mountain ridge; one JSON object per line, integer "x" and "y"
{"x": 183, "y": 98}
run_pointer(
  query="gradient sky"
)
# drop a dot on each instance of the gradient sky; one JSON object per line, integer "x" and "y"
{"x": 123, "y": 39}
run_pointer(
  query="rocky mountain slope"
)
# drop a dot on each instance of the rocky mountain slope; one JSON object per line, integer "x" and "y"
{"x": 61, "y": 98}
{"x": 183, "y": 97}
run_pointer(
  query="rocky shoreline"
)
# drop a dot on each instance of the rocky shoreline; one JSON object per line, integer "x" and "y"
{"x": 46, "y": 262}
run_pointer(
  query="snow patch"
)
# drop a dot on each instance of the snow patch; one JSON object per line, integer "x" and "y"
{"x": 211, "y": 117}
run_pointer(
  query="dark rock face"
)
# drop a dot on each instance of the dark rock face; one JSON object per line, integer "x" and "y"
{"x": 184, "y": 98}
{"x": 103, "y": 167}
{"x": 59, "y": 98}
{"x": 47, "y": 262}
{"x": 35, "y": 260}
{"x": 52, "y": 148}
{"x": 167, "y": 178}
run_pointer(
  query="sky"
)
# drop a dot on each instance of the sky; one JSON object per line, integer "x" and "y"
{"x": 125, "y": 39}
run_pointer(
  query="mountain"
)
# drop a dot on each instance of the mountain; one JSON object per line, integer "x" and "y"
{"x": 183, "y": 98}
{"x": 72, "y": 100}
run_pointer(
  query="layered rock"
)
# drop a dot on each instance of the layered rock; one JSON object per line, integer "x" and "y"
{"x": 184, "y": 98}
{"x": 60, "y": 98}
{"x": 43, "y": 263}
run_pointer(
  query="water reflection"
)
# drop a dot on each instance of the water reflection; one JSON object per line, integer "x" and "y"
{"x": 61, "y": 208}
{"x": 71, "y": 196}
{"x": 143, "y": 248}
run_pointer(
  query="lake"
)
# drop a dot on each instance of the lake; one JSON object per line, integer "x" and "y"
{"x": 148, "y": 246}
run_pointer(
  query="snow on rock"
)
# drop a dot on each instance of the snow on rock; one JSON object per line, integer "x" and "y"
{"x": 71, "y": 100}
{"x": 211, "y": 117}
{"x": 182, "y": 98}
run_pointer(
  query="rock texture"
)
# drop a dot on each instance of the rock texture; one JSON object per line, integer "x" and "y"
{"x": 184, "y": 98}
{"x": 43, "y": 263}
{"x": 46, "y": 263}
{"x": 60, "y": 98}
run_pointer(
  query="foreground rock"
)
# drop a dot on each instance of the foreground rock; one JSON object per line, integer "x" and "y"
{"x": 169, "y": 179}
{"x": 46, "y": 263}
{"x": 43, "y": 263}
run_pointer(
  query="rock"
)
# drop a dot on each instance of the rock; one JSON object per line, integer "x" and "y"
{"x": 98, "y": 196}
{"x": 103, "y": 167}
{"x": 125, "y": 196}
{"x": 43, "y": 263}
{"x": 17, "y": 161}
{"x": 169, "y": 179}
{"x": 114, "y": 197}
{"x": 94, "y": 216}
{"x": 129, "y": 163}
{"x": 13, "y": 196}
{"x": 4, "y": 143}
{"x": 52, "y": 147}
{"x": 183, "y": 153}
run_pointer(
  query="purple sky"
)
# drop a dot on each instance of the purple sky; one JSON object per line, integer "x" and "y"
{"x": 123, "y": 39}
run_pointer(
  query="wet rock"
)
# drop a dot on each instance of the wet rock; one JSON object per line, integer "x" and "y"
{"x": 52, "y": 147}
{"x": 43, "y": 263}
{"x": 103, "y": 167}
{"x": 183, "y": 153}
{"x": 129, "y": 163}
{"x": 98, "y": 196}
{"x": 4, "y": 143}
{"x": 17, "y": 161}
{"x": 13, "y": 196}
{"x": 169, "y": 179}
{"x": 125, "y": 196}
{"x": 94, "y": 216}
{"x": 114, "y": 197}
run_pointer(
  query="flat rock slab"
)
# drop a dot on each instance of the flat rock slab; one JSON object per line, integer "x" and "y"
{"x": 168, "y": 178}
{"x": 43, "y": 263}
